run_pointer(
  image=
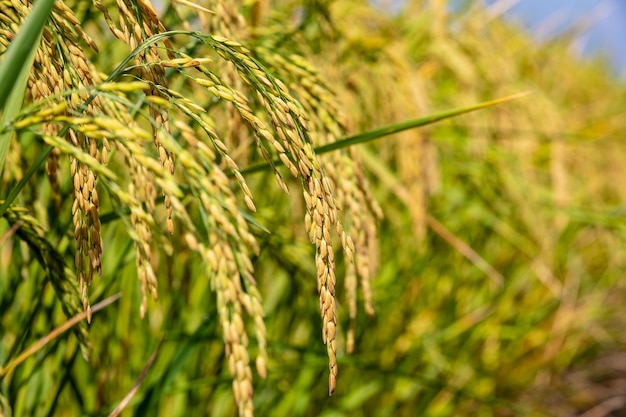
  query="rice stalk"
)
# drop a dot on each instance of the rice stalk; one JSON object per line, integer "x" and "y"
{"x": 105, "y": 130}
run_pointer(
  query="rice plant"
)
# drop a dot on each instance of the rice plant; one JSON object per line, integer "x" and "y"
{"x": 203, "y": 155}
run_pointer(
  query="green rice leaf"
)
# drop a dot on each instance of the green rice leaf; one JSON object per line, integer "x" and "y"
{"x": 15, "y": 67}
{"x": 381, "y": 132}
{"x": 16, "y": 59}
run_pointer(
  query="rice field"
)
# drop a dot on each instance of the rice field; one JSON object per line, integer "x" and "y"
{"x": 314, "y": 208}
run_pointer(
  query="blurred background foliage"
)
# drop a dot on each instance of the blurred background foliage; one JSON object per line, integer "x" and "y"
{"x": 500, "y": 287}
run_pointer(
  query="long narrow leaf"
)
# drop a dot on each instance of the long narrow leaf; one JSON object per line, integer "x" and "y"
{"x": 12, "y": 108}
{"x": 16, "y": 57}
{"x": 15, "y": 67}
{"x": 391, "y": 129}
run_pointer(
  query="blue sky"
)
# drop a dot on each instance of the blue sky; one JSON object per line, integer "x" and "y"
{"x": 600, "y": 24}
